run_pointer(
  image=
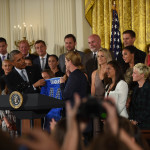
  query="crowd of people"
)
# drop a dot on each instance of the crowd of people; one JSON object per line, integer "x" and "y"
{"x": 120, "y": 86}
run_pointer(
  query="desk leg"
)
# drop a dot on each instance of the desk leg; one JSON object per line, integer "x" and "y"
{"x": 25, "y": 125}
{"x": 37, "y": 123}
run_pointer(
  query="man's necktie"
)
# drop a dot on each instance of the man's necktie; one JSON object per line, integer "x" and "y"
{"x": 23, "y": 75}
{"x": 95, "y": 56}
{"x": 95, "y": 60}
{"x": 43, "y": 63}
{"x": 3, "y": 57}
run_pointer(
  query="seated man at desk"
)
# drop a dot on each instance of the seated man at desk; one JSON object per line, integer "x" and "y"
{"x": 22, "y": 78}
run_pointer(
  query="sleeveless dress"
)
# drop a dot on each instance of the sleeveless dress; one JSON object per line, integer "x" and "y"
{"x": 11, "y": 118}
{"x": 99, "y": 86}
{"x": 99, "y": 93}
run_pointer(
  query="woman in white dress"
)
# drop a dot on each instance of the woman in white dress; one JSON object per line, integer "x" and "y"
{"x": 117, "y": 88}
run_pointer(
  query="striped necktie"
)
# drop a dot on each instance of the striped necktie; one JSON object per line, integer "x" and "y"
{"x": 23, "y": 75}
{"x": 43, "y": 63}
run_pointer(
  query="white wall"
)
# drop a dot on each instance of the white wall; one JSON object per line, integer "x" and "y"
{"x": 5, "y": 21}
{"x": 51, "y": 20}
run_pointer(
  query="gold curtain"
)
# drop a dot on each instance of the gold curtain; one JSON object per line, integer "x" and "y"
{"x": 133, "y": 14}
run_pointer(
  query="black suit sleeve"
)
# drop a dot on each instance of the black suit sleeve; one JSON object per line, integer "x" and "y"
{"x": 15, "y": 82}
{"x": 69, "y": 88}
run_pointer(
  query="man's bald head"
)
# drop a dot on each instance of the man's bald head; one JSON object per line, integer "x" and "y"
{"x": 94, "y": 42}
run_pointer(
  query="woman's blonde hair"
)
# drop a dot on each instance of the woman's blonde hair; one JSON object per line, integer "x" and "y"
{"x": 74, "y": 57}
{"x": 142, "y": 69}
{"x": 107, "y": 55}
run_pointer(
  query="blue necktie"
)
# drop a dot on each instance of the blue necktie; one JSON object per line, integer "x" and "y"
{"x": 3, "y": 57}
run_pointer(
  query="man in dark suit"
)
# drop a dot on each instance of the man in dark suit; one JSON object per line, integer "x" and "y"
{"x": 42, "y": 59}
{"x": 3, "y": 53}
{"x": 90, "y": 59}
{"x": 21, "y": 78}
{"x": 128, "y": 40}
{"x": 70, "y": 43}
{"x": 24, "y": 48}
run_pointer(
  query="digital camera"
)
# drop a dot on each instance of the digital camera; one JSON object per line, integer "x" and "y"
{"x": 90, "y": 109}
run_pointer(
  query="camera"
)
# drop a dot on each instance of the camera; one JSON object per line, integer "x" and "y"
{"x": 90, "y": 109}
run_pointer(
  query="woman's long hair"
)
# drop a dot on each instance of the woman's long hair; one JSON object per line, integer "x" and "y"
{"x": 132, "y": 50}
{"x": 118, "y": 73}
{"x": 107, "y": 55}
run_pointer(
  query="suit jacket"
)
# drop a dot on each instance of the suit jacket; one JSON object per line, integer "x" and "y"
{"x": 1, "y": 70}
{"x": 2, "y": 82}
{"x": 140, "y": 56}
{"x": 90, "y": 64}
{"x": 62, "y": 60}
{"x": 15, "y": 82}
{"x": 32, "y": 56}
{"x": 37, "y": 61}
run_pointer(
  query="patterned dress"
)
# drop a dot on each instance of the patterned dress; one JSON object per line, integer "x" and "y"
{"x": 9, "y": 118}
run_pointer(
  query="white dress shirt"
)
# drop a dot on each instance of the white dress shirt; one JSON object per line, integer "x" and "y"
{"x": 94, "y": 53}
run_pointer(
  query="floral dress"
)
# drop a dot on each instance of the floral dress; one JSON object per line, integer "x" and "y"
{"x": 6, "y": 117}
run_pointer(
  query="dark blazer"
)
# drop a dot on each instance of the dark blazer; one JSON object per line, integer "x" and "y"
{"x": 16, "y": 83}
{"x": 37, "y": 61}
{"x": 32, "y": 56}
{"x": 62, "y": 60}
{"x": 1, "y": 70}
{"x": 76, "y": 83}
{"x": 90, "y": 64}
{"x": 140, "y": 106}
{"x": 2, "y": 82}
{"x": 140, "y": 56}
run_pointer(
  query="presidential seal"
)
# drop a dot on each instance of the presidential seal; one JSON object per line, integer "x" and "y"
{"x": 15, "y": 99}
